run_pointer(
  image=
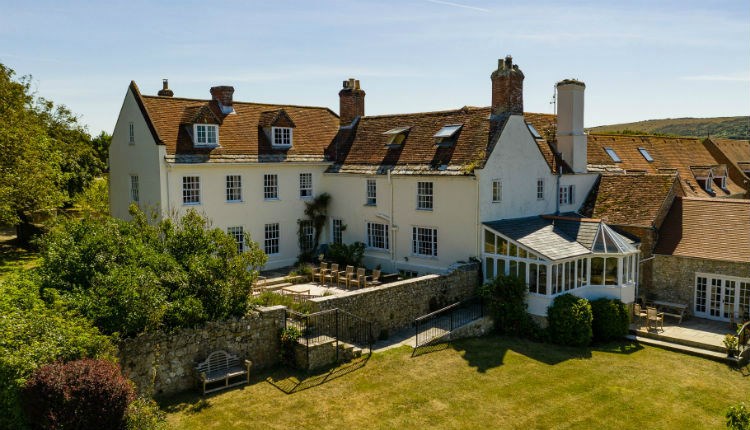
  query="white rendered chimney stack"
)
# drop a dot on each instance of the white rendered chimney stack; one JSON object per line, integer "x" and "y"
{"x": 571, "y": 140}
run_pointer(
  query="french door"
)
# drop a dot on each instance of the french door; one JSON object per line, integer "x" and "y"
{"x": 720, "y": 297}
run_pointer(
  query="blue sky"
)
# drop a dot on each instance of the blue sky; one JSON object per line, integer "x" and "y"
{"x": 639, "y": 59}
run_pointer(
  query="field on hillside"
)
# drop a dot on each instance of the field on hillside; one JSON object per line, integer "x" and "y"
{"x": 491, "y": 382}
{"x": 736, "y": 127}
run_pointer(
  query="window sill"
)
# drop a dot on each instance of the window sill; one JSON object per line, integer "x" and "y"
{"x": 425, "y": 209}
{"x": 305, "y": 197}
{"x": 424, "y": 257}
{"x": 371, "y": 204}
{"x": 271, "y": 199}
{"x": 274, "y": 146}
{"x": 191, "y": 204}
{"x": 234, "y": 201}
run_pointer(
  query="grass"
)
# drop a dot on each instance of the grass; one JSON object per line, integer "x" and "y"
{"x": 14, "y": 259}
{"x": 492, "y": 382}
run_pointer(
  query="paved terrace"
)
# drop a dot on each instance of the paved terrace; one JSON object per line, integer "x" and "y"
{"x": 697, "y": 331}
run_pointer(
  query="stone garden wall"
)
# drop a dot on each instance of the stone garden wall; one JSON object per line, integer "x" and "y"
{"x": 162, "y": 364}
{"x": 395, "y": 305}
{"x": 674, "y": 277}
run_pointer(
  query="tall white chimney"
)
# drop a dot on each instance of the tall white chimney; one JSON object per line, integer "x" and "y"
{"x": 571, "y": 140}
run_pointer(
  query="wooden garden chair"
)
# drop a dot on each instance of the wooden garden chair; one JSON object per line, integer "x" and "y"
{"x": 358, "y": 280}
{"x": 654, "y": 317}
{"x": 320, "y": 273}
{"x": 345, "y": 276}
{"x": 332, "y": 275}
{"x": 639, "y": 314}
{"x": 374, "y": 278}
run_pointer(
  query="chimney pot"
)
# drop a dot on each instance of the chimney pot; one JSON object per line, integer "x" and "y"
{"x": 507, "y": 88}
{"x": 351, "y": 102}
{"x": 165, "y": 91}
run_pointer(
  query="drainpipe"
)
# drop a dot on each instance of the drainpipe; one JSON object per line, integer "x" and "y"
{"x": 393, "y": 226}
{"x": 557, "y": 190}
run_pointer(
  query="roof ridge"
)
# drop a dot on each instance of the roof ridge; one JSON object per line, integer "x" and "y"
{"x": 428, "y": 113}
{"x": 241, "y": 102}
{"x": 594, "y": 133}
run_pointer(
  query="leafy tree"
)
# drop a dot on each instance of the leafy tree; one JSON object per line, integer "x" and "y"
{"x": 135, "y": 276}
{"x": 101, "y": 145}
{"x": 33, "y": 333}
{"x": 46, "y": 156}
{"x": 94, "y": 200}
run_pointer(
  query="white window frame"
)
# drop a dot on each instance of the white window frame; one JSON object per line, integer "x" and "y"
{"x": 372, "y": 233}
{"x": 540, "y": 189}
{"x": 282, "y": 137}
{"x": 337, "y": 230}
{"x": 214, "y": 129}
{"x": 191, "y": 190}
{"x": 371, "y": 192}
{"x": 567, "y": 195}
{"x": 497, "y": 191}
{"x": 238, "y": 234}
{"x": 425, "y": 196}
{"x": 131, "y": 133}
{"x": 134, "y": 189}
{"x": 422, "y": 236}
{"x": 234, "y": 188}
{"x": 305, "y": 185}
{"x": 270, "y": 186}
{"x": 272, "y": 239}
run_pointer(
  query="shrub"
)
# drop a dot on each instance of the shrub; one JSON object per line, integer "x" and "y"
{"x": 610, "y": 319}
{"x": 505, "y": 296}
{"x": 289, "y": 338}
{"x": 570, "y": 320}
{"x": 33, "y": 333}
{"x": 347, "y": 255}
{"x": 84, "y": 393}
{"x": 144, "y": 414}
{"x": 738, "y": 417}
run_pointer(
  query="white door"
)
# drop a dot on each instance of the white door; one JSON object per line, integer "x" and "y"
{"x": 719, "y": 297}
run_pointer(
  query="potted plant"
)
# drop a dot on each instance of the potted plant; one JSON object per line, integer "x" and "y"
{"x": 731, "y": 343}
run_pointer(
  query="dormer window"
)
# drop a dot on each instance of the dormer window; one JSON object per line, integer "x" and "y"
{"x": 646, "y": 155}
{"x": 282, "y": 136}
{"x": 613, "y": 155}
{"x": 721, "y": 182}
{"x": 534, "y": 131}
{"x": 206, "y": 135}
{"x": 446, "y": 136}
{"x": 396, "y": 135}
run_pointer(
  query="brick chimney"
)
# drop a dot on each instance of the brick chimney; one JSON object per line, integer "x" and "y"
{"x": 571, "y": 139}
{"x": 507, "y": 88}
{"x": 223, "y": 95}
{"x": 351, "y": 102}
{"x": 165, "y": 91}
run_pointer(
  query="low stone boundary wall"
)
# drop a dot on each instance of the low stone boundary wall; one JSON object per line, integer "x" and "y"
{"x": 162, "y": 363}
{"x": 395, "y": 305}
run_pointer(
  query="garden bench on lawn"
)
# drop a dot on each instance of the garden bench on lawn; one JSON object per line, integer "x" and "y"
{"x": 221, "y": 366}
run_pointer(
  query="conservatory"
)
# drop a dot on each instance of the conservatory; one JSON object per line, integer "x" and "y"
{"x": 561, "y": 254}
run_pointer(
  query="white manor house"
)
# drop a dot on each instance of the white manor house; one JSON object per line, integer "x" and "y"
{"x": 423, "y": 191}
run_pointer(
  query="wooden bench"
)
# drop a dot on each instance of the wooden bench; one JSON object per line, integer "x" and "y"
{"x": 676, "y": 310}
{"x": 221, "y": 366}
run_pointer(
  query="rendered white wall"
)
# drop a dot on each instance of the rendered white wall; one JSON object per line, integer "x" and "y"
{"x": 143, "y": 158}
{"x": 253, "y": 212}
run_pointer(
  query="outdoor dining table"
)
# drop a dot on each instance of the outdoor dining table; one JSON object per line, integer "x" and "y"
{"x": 676, "y": 310}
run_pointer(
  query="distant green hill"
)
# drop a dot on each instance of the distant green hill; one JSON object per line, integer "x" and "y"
{"x": 733, "y": 127}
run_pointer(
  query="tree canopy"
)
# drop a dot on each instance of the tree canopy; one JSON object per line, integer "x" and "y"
{"x": 46, "y": 156}
{"x": 134, "y": 276}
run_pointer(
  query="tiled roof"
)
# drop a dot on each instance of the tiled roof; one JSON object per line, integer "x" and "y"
{"x": 240, "y": 134}
{"x": 737, "y": 151}
{"x": 714, "y": 229}
{"x": 634, "y": 200}
{"x": 363, "y": 148}
{"x": 667, "y": 152}
{"x": 556, "y": 237}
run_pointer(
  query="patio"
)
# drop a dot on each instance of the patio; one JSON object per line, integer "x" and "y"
{"x": 693, "y": 332}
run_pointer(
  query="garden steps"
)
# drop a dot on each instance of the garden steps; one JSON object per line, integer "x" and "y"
{"x": 673, "y": 344}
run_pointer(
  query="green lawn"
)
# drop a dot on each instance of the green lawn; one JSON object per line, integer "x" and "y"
{"x": 13, "y": 259}
{"x": 492, "y": 382}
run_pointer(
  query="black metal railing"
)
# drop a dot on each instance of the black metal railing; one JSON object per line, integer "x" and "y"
{"x": 438, "y": 325}
{"x": 331, "y": 325}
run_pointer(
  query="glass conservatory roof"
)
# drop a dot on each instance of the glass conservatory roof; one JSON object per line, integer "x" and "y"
{"x": 608, "y": 241}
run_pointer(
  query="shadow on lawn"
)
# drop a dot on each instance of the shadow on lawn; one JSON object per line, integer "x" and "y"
{"x": 292, "y": 381}
{"x": 483, "y": 358}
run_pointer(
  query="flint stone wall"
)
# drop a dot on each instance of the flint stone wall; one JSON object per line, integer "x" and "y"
{"x": 396, "y": 305}
{"x": 162, "y": 363}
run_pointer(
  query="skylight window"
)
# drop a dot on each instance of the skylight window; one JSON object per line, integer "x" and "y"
{"x": 646, "y": 155}
{"x": 447, "y": 135}
{"x": 534, "y": 132}
{"x": 396, "y": 135}
{"x": 613, "y": 155}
